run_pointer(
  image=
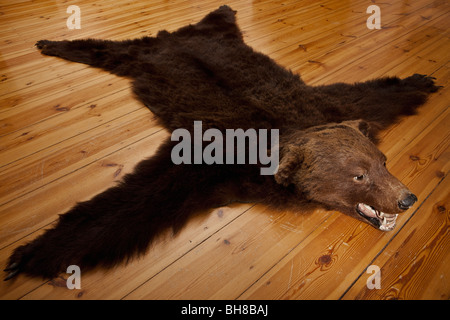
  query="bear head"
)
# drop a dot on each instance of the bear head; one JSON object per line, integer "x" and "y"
{"x": 339, "y": 166}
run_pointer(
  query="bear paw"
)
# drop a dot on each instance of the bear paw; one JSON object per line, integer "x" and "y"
{"x": 33, "y": 259}
{"x": 41, "y": 44}
{"x": 49, "y": 48}
{"x": 422, "y": 82}
{"x": 18, "y": 261}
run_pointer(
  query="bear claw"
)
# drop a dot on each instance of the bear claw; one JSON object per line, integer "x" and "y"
{"x": 11, "y": 275}
{"x": 14, "y": 270}
{"x": 12, "y": 266}
{"x": 423, "y": 82}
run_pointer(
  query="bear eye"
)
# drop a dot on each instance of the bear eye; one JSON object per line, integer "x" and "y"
{"x": 359, "y": 178}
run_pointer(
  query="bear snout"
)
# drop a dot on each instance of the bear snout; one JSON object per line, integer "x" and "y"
{"x": 407, "y": 202}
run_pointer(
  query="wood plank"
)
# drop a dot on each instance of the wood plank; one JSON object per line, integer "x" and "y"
{"x": 33, "y": 87}
{"x": 308, "y": 35}
{"x": 376, "y": 48}
{"x": 412, "y": 60}
{"x": 82, "y": 116}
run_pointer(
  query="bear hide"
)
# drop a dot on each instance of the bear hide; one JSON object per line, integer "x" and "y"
{"x": 205, "y": 72}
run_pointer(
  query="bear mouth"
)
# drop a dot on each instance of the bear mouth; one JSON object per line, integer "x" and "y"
{"x": 380, "y": 220}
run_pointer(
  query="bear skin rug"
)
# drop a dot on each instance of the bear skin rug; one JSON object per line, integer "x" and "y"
{"x": 205, "y": 72}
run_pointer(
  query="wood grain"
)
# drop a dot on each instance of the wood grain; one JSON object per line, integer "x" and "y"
{"x": 68, "y": 131}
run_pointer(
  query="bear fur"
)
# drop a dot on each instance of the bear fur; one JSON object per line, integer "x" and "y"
{"x": 206, "y": 72}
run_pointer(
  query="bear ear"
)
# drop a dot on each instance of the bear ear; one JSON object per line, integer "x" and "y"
{"x": 368, "y": 129}
{"x": 364, "y": 127}
{"x": 291, "y": 159}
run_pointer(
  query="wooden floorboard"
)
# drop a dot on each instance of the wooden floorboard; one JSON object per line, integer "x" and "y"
{"x": 68, "y": 131}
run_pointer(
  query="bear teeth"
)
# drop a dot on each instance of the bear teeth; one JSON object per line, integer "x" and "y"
{"x": 387, "y": 221}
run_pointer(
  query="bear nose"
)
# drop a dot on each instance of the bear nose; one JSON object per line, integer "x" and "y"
{"x": 407, "y": 202}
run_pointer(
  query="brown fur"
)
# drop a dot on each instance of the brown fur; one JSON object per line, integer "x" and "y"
{"x": 206, "y": 72}
{"x": 323, "y": 162}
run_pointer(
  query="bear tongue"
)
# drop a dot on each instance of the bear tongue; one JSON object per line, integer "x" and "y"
{"x": 387, "y": 221}
{"x": 367, "y": 210}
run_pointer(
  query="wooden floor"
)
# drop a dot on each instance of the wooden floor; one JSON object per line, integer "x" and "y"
{"x": 67, "y": 132}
